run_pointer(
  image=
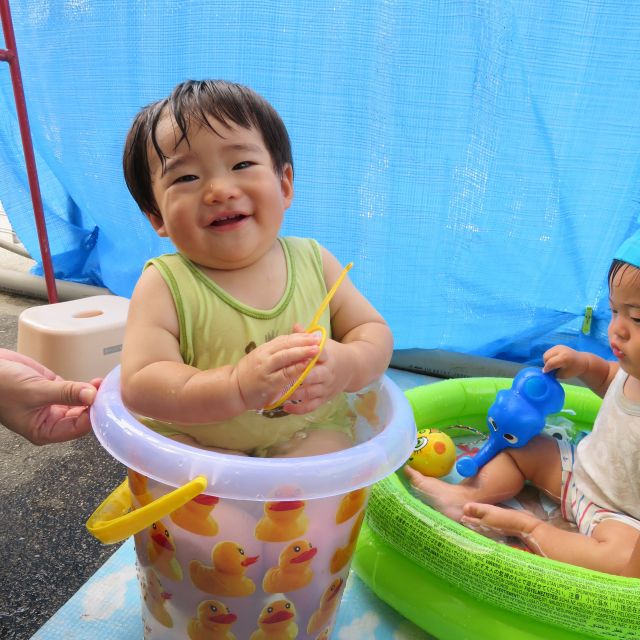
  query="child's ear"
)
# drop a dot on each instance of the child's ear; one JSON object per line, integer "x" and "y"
{"x": 157, "y": 223}
{"x": 286, "y": 184}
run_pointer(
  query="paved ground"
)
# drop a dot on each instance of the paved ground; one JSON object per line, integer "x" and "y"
{"x": 46, "y": 495}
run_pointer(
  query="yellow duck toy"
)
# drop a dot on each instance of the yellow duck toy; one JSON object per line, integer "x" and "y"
{"x": 276, "y": 622}
{"x": 195, "y": 515}
{"x": 293, "y": 570}
{"x": 162, "y": 552}
{"x": 226, "y": 576}
{"x": 329, "y": 601}
{"x": 351, "y": 504}
{"x": 155, "y": 598}
{"x": 213, "y": 622}
{"x": 282, "y": 521}
{"x": 342, "y": 555}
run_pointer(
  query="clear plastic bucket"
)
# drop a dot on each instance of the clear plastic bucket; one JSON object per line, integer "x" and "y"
{"x": 239, "y": 547}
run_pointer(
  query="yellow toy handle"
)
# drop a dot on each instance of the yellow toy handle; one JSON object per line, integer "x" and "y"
{"x": 312, "y": 328}
{"x": 114, "y": 521}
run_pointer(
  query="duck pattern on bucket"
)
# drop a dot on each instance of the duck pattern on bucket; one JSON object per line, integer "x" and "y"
{"x": 219, "y": 569}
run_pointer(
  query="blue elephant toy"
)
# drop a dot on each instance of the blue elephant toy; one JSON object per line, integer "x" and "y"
{"x": 517, "y": 415}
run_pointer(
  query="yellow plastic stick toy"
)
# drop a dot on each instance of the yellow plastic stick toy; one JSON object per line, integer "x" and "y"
{"x": 313, "y": 327}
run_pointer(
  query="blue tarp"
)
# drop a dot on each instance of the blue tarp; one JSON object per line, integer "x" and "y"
{"x": 478, "y": 160}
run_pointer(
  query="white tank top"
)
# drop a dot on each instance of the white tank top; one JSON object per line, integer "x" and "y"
{"x": 607, "y": 465}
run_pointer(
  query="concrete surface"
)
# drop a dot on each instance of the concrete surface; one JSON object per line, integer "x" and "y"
{"x": 46, "y": 495}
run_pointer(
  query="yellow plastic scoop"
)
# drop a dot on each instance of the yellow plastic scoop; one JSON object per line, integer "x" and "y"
{"x": 312, "y": 328}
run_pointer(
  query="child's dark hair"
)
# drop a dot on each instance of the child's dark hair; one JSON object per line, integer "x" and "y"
{"x": 619, "y": 267}
{"x": 194, "y": 102}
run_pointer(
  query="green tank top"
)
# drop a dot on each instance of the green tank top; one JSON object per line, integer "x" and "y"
{"x": 216, "y": 329}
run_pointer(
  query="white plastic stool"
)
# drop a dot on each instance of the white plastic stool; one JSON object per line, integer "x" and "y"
{"x": 78, "y": 339}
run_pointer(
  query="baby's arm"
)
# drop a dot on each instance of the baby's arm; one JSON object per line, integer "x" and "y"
{"x": 596, "y": 372}
{"x": 359, "y": 351}
{"x": 156, "y": 382}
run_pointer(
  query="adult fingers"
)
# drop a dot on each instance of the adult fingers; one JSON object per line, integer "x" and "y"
{"x": 70, "y": 427}
{"x": 64, "y": 392}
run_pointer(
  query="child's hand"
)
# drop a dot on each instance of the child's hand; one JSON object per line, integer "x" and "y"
{"x": 267, "y": 371}
{"x": 327, "y": 379}
{"x": 567, "y": 362}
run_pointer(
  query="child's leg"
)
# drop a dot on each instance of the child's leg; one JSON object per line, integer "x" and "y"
{"x": 608, "y": 549}
{"x": 500, "y": 479}
{"x": 315, "y": 442}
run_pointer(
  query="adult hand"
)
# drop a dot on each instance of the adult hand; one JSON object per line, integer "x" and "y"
{"x": 38, "y": 404}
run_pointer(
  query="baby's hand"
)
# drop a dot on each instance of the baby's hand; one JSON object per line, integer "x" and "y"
{"x": 565, "y": 361}
{"x": 264, "y": 373}
{"x": 326, "y": 380}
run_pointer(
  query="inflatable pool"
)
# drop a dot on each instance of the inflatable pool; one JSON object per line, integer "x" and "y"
{"x": 455, "y": 583}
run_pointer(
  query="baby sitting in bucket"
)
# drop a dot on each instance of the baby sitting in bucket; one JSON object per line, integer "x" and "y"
{"x": 216, "y": 331}
{"x": 595, "y": 483}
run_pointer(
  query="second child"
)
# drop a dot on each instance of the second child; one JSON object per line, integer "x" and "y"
{"x": 596, "y": 483}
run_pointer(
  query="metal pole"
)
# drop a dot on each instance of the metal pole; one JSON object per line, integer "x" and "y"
{"x": 10, "y": 55}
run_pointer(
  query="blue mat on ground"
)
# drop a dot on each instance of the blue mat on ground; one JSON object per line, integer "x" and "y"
{"x": 108, "y": 607}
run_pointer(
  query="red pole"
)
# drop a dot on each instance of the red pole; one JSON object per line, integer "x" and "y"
{"x": 10, "y": 55}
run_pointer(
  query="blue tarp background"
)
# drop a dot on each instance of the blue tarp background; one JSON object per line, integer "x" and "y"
{"x": 477, "y": 160}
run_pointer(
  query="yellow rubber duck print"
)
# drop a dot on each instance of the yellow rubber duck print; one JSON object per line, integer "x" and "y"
{"x": 351, "y": 504}
{"x": 329, "y": 601}
{"x": 155, "y": 598}
{"x": 282, "y": 521}
{"x": 277, "y": 622}
{"x": 226, "y": 576}
{"x": 342, "y": 555}
{"x": 293, "y": 571}
{"x": 162, "y": 552}
{"x": 195, "y": 515}
{"x": 213, "y": 622}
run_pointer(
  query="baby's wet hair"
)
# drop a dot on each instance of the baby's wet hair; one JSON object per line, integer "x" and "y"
{"x": 196, "y": 102}
{"x": 620, "y": 267}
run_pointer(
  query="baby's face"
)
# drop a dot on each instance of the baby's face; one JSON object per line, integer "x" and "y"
{"x": 624, "y": 328}
{"x": 221, "y": 201}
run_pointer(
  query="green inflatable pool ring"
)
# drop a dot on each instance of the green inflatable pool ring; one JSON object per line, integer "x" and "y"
{"x": 457, "y": 584}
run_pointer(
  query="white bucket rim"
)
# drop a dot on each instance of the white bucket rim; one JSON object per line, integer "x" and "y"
{"x": 247, "y": 478}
